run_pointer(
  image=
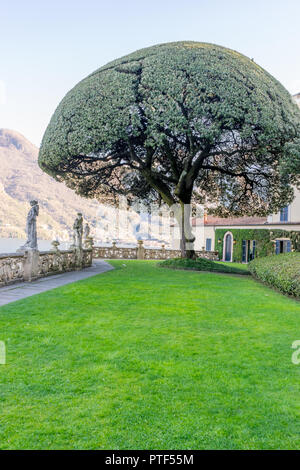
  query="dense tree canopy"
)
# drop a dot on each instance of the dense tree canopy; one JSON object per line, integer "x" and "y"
{"x": 178, "y": 121}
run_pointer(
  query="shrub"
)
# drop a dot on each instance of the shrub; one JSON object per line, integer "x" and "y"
{"x": 281, "y": 271}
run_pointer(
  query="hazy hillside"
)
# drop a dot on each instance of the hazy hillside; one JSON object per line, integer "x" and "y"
{"x": 297, "y": 99}
{"x": 22, "y": 180}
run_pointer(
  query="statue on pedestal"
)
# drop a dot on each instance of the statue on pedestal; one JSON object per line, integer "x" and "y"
{"x": 31, "y": 243}
{"x": 88, "y": 240}
{"x": 78, "y": 231}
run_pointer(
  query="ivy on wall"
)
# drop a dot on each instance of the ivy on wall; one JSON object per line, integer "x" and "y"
{"x": 264, "y": 241}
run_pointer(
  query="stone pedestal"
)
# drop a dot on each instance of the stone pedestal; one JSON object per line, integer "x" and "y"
{"x": 140, "y": 250}
{"x": 114, "y": 250}
{"x": 78, "y": 257}
{"x": 31, "y": 265}
{"x": 88, "y": 243}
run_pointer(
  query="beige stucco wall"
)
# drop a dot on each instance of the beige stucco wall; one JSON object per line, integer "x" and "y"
{"x": 209, "y": 232}
{"x": 294, "y": 211}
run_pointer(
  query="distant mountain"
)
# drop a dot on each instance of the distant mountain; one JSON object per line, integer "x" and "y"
{"x": 21, "y": 180}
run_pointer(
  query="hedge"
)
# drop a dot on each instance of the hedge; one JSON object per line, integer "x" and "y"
{"x": 281, "y": 271}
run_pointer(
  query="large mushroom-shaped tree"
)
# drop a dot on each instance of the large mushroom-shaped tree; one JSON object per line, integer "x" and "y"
{"x": 179, "y": 122}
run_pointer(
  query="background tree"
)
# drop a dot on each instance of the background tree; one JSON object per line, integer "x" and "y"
{"x": 180, "y": 122}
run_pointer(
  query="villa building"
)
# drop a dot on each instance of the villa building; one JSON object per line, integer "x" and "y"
{"x": 245, "y": 234}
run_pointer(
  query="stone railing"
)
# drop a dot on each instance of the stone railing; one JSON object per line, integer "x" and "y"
{"x": 56, "y": 262}
{"x": 32, "y": 265}
{"x": 11, "y": 268}
{"x": 114, "y": 252}
{"x": 140, "y": 252}
{"x": 212, "y": 255}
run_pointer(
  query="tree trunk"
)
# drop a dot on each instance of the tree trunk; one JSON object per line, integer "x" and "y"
{"x": 187, "y": 237}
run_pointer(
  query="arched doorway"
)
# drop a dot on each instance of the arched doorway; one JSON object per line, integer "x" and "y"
{"x": 227, "y": 246}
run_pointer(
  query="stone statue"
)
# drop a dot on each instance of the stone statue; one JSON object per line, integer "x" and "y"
{"x": 86, "y": 231}
{"x": 88, "y": 240}
{"x": 31, "y": 243}
{"x": 78, "y": 230}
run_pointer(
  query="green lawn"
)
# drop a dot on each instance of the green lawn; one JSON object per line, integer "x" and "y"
{"x": 202, "y": 264}
{"x": 242, "y": 266}
{"x": 149, "y": 358}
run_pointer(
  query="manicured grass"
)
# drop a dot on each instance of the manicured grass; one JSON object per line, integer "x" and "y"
{"x": 243, "y": 266}
{"x": 149, "y": 358}
{"x": 201, "y": 264}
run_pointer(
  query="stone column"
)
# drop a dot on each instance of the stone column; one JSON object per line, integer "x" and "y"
{"x": 78, "y": 257}
{"x": 140, "y": 250}
{"x": 88, "y": 251}
{"x": 31, "y": 265}
{"x": 88, "y": 243}
{"x": 114, "y": 250}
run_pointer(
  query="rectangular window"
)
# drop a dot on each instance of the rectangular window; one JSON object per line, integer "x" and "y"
{"x": 244, "y": 251}
{"x": 284, "y": 214}
{"x": 277, "y": 247}
{"x": 208, "y": 244}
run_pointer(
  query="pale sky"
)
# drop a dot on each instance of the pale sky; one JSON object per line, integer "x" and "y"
{"x": 48, "y": 46}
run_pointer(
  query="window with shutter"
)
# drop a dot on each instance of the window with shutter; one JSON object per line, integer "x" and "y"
{"x": 208, "y": 244}
{"x": 284, "y": 214}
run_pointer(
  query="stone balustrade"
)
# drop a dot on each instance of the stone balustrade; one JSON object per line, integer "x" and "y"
{"x": 32, "y": 265}
{"x": 114, "y": 252}
{"x": 211, "y": 255}
{"x": 140, "y": 252}
{"x": 11, "y": 268}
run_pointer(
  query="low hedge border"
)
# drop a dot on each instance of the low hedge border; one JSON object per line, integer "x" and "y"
{"x": 279, "y": 271}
